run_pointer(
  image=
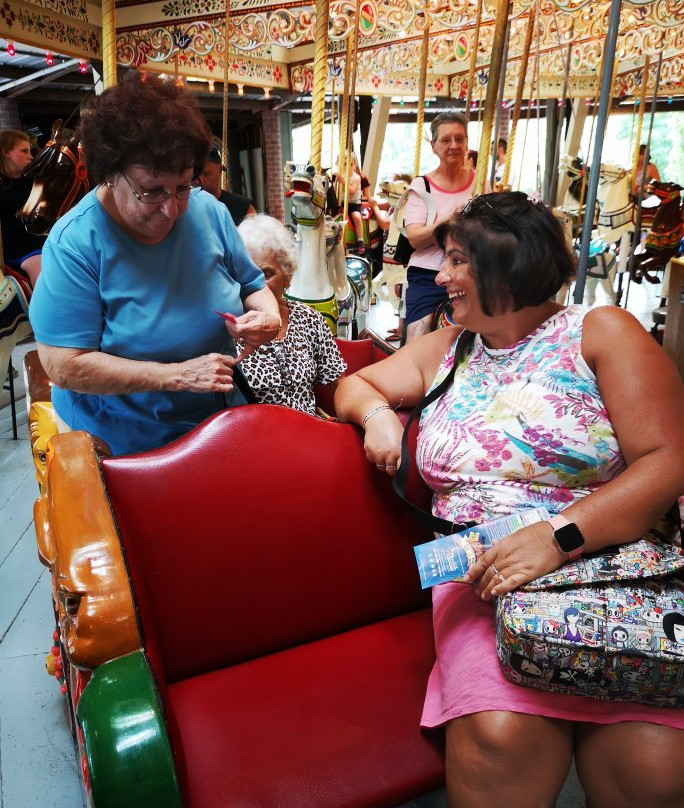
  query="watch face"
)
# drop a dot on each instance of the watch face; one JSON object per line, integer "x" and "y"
{"x": 569, "y": 537}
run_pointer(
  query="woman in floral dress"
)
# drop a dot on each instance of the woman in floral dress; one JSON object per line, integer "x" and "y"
{"x": 572, "y": 409}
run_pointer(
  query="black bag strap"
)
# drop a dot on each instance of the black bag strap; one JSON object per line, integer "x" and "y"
{"x": 443, "y": 526}
{"x": 243, "y": 386}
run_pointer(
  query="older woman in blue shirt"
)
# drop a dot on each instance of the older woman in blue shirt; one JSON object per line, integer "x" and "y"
{"x": 125, "y": 309}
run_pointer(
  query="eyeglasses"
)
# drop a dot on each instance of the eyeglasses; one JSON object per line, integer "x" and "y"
{"x": 157, "y": 197}
{"x": 477, "y": 202}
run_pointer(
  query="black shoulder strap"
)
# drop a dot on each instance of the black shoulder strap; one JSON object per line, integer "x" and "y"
{"x": 443, "y": 526}
{"x": 427, "y": 184}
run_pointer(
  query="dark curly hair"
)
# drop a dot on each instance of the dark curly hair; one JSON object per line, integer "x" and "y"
{"x": 146, "y": 120}
{"x": 516, "y": 249}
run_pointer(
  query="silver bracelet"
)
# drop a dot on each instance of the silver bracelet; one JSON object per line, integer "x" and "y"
{"x": 374, "y": 411}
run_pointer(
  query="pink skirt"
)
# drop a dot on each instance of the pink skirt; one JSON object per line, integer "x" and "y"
{"x": 467, "y": 678}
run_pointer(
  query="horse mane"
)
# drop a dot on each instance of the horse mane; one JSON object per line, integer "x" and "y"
{"x": 576, "y": 170}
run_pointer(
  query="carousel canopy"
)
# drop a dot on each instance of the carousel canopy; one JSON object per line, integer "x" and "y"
{"x": 270, "y": 44}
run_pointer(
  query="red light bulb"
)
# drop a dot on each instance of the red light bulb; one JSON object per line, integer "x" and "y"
{"x": 49, "y": 58}
{"x": 83, "y": 66}
{"x": 11, "y": 49}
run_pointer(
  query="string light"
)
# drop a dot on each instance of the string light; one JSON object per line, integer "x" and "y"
{"x": 267, "y": 92}
{"x": 212, "y": 88}
{"x": 241, "y": 89}
{"x": 83, "y": 66}
{"x": 11, "y": 49}
{"x": 49, "y": 58}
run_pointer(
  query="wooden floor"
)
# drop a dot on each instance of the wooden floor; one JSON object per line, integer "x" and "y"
{"x": 38, "y": 765}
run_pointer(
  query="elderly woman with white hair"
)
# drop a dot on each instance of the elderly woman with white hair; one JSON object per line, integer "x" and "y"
{"x": 303, "y": 354}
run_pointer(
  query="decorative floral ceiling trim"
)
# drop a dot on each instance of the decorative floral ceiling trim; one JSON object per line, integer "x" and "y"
{"x": 45, "y": 29}
{"x": 69, "y": 8}
{"x": 196, "y": 49}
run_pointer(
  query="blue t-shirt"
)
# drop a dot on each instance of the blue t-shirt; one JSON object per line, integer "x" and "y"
{"x": 100, "y": 289}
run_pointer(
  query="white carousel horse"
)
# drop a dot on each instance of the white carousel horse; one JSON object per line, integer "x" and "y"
{"x": 14, "y": 322}
{"x": 616, "y": 211}
{"x": 350, "y": 277}
{"x": 311, "y": 283}
{"x": 389, "y": 285}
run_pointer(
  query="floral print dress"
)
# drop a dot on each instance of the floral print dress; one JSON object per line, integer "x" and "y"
{"x": 521, "y": 427}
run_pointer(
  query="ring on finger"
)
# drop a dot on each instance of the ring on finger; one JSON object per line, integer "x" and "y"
{"x": 390, "y": 466}
{"x": 494, "y": 570}
{"x": 380, "y": 465}
{"x": 500, "y": 578}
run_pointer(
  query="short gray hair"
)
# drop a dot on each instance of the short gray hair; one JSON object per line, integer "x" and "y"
{"x": 447, "y": 117}
{"x": 266, "y": 237}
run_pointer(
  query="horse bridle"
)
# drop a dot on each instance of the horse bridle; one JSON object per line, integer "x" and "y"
{"x": 80, "y": 179}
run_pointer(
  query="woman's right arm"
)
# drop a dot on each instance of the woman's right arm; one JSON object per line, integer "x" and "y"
{"x": 398, "y": 381}
{"x": 88, "y": 371}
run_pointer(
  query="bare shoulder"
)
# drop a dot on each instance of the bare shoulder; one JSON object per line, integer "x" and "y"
{"x": 428, "y": 351}
{"x": 617, "y": 347}
{"x": 608, "y": 327}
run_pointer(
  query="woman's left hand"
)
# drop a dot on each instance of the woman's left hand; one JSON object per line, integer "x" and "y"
{"x": 515, "y": 560}
{"x": 254, "y": 328}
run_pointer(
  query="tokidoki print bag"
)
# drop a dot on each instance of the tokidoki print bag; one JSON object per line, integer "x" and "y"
{"x": 608, "y": 626}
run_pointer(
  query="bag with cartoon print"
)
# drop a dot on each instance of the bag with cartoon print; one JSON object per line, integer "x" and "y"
{"x": 608, "y": 626}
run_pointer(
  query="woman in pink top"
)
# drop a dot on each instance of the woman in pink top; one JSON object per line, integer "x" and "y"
{"x": 451, "y": 186}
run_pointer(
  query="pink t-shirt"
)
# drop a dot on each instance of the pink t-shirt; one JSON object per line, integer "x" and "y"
{"x": 416, "y": 213}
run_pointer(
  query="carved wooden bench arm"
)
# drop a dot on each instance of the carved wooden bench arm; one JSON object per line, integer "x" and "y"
{"x": 78, "y": 541}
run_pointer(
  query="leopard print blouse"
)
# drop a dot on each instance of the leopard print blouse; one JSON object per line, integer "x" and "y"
{"x": 284, "y": 371}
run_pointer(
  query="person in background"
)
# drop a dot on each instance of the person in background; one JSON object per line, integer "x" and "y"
{"x": 146, "y": 283}
{"x": 575, "y": 409}
{"x": 21, "y": 249}
{"x": 652, "y": 173}
{"x": 451, "y": 186}
{"x": 354, "y": 202}
{"x": 239, "y": 206}
{"x": 501, "y": 151}
{"x": 304, "y": 353}
{"x": 471, "y": 159}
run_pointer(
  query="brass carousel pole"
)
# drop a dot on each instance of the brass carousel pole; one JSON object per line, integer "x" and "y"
{"x": 422, "y": 81}
{"x": 519, "y": 94}
{"x": 108, "y": 43}
{"x": 473, "y": 60}
{"x": 320, "y": 77}
{"x": 224, "y": 131}
{"x": 350, "y": 114}
{"x": 640, "y": 117}
{"x": 502, "y": 11}
{"x": 344, "y": 113}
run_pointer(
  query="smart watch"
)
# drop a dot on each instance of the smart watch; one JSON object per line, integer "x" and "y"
{"x": 567, "y": 536}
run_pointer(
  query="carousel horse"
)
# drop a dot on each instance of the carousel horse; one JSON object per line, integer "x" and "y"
{"x": 311, "y": 284}
{"x": 615, "y": 220}
{"x": 390, "y": 283}
{"x": 667, "y": 230}
{"x": 373, "y": 237}
{"x": 14, "y": 322}
{"x": 350, "y": 277}
{"x": 60, "y": 179}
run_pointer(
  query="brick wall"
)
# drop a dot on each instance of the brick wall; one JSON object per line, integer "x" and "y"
{"x": 9, "y": 114}
{"x": 274, "y": 191}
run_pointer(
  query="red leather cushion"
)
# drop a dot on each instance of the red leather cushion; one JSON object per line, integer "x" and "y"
{"x": 357, "y": 353}
{"x": 331, "y": 724}
{"x": 261, "y": 529}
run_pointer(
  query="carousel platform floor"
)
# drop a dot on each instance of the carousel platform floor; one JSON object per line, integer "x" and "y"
{"x": 38, "y": 763}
